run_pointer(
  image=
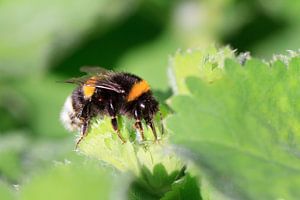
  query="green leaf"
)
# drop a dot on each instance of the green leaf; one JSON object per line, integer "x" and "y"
{"x": 11, "y": 147}
{"x": 102, "y": 143}
{"x": 21, "y": 157}
{"x": 154, "y": 166}
{"x": 152, "y": 185}
{"x": 242, "y": 128}
{"x": 160, "y": 184}
{"x": 6, "y": 193}
{"x": 70, "y": 181}
{"x": 206, "y": 64}
{"x": 186, "y": 188}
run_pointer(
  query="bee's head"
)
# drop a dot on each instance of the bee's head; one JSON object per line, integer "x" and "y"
{"x": 147, "y": 105}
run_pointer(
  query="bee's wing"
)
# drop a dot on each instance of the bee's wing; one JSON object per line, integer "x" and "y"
{"x": 94, "y": 70}
{"x": 103, "y": 75}
{"x": 77, "y": 80}
{"x": 91, "y": 71}
{"x": 109, "y": 85}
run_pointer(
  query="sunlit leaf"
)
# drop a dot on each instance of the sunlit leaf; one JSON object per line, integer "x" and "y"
{"x": 242, "y": 129}
{"x": 6, "y": 193}
{"x": 69, "y": 181}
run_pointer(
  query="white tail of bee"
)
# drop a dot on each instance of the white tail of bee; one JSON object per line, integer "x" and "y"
{"x": 68, "y": 116}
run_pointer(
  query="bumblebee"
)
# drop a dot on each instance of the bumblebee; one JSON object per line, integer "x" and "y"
{"x": 102, "y": 92}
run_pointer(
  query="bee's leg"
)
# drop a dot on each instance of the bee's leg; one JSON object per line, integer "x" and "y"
{"x": 85, "y": 116}
{"x": 112, "y": 112}
{"x": 138, "y": 123}
{"x": 84, "y": 131}
{"x": 114, "y": 123}
{"x": 151, "y": 125}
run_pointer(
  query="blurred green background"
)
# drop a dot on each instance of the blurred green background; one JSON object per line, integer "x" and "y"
{"x": 43, "y": 42}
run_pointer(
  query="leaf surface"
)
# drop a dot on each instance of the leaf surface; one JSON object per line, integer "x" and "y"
{"x": 242, "y": 129}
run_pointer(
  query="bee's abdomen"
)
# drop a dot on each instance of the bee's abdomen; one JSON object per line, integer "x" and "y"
{"x": 133, "y": 85}
{"x": 139, "y": 88}
{"x": 125, "y": 80}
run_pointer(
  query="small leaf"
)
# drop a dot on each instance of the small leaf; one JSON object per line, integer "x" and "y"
{"x": 186, "y": 188}
{"x": 161, "y": 185}
{"x": 206, "y": 64}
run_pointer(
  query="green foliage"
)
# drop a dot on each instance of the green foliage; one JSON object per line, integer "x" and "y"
{"x": 155, "y": 168}
{"x": 6, "y": 193}
{"x": 186, "y": 188}
{"x": 140, "y": 61}
{"x": 44, "y": 42}
{"x": 208, "y": 63}
{"x": 242, "y": 128}
{"x": 161, "y": 185}
{"x": 103, "y": 144}
{"x": 38, "y": 95}
{"x": 71, "y": 181}
{"x": 35, "y": 28}
{"x": 10, "y": 163}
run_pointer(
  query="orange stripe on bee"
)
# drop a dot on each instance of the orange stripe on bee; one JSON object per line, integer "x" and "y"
{"x": 89, "y": 88}
{"x": 137, "y": 90}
